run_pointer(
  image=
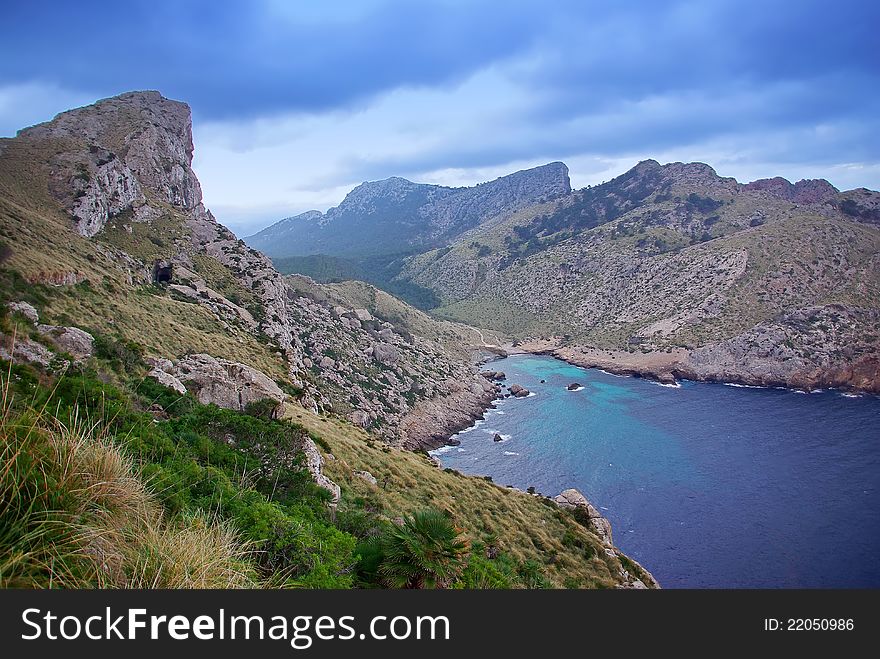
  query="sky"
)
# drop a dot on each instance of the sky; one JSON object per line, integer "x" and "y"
{"x": 295, "y": 103}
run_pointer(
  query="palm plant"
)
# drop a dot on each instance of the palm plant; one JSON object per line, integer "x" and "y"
{"x": 426, "y": 551}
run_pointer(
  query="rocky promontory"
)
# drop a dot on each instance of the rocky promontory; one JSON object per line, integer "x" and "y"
{"x": 572, "y": 499}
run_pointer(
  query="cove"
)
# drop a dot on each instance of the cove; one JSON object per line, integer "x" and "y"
{"x": 706, "y": 485}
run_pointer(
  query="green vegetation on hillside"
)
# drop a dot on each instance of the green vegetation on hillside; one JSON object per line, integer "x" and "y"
{"x": 381, "y": 271}
{"x": 112, "y": 480}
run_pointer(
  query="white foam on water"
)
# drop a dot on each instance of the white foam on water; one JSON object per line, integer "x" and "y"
{"x": 577, "y": 389}
{"x": 531, "y": 393}
{"x": 511, "y": 453}
{"x": 745, "y": 386}
{"x": 848, "y": 395}
{"x": 671, "y": 385}
{"x": 441, "y": 450}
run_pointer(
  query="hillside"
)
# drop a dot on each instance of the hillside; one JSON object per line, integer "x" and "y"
{"x": 103, "y": 201}
{"x": 148, "y": 357}
{"x": 397, "y": 216}
{"x": 674, "y": 271}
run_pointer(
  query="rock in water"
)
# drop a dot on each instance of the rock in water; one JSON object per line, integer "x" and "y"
{"x": 518, "y": 391}
{"x": 574, "y": 386}
{"x": 497, "y": 437}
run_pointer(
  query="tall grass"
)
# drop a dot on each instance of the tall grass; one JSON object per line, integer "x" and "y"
{"x": 75, "y": 514}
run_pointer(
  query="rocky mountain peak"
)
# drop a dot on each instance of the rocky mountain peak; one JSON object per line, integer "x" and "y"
{"x": 693, "y": 173}
{"x": 548, "y": 180}
{"x": 138, "y": 146}
{"x": 393, "y": 188}
{"x": 806, "y": 191}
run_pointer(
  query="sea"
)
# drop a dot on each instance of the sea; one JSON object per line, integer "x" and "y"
{"x": 707, "y": 485}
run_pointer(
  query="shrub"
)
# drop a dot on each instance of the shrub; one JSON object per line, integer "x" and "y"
{"x": 426, "y": 551}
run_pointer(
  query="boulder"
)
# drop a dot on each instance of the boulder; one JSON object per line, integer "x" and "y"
{"x": 71, "y": 340}
{"x": 166, "y": 379}
{"x": 386, "y": 334}
{"x": 518, "y": 391}
{"x": 497, "y": 438}
{"x": 327, "y": 363}
{"x": 25, "y": 350}
{"x": 453, "y": 441}
{"x": 574, "y": 386}
{"x": 25, "y": 309}
{"x": 385, "y": 353}
{"x": 363, "y": 314}
{"x": 225, "y": 383}
{"x": 366, "y": 476}
{"x": 359, "y": 418}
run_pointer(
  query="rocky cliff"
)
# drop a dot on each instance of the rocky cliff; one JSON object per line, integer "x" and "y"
{"x": 112, "y": 189}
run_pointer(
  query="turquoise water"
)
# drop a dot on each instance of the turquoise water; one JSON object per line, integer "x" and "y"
{"x": 707, "y": 485}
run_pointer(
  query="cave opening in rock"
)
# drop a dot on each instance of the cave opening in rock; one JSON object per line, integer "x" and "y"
{"x": 162, "y": 272}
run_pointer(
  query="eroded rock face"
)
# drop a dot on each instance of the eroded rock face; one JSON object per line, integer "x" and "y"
{"x": 807, "y": 191}
{"x": 315, "y": 463}
{"x": 25, "y": 309}
{"x": 25, "y": 350}
{"x": 572, "y": 498}
{"x": 812, "y": 348}
{"x": 138, "y": 143}
{"x": 161, "y": 373}
{"x": 224, "y": 383}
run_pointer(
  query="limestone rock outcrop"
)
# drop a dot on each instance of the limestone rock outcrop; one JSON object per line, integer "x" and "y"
{"x": 572, "y": 498}
{"x": 72, "y": 340}
{"x": 217, "y": 381}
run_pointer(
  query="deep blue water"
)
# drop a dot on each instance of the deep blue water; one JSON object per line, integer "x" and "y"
{"x": 706, "y": 485}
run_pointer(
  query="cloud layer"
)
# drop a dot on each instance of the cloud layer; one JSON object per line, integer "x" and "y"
{"x": 294, "y": 103}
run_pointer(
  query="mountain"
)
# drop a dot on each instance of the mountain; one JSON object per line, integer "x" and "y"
{"x": 226, "y": 402}
{"x": 106, "y": 195}
{"x": 398, "y": 216}
{"x": 673, "y": 271}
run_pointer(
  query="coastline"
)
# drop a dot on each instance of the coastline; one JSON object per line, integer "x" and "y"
{"x": 860, "y": 377}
